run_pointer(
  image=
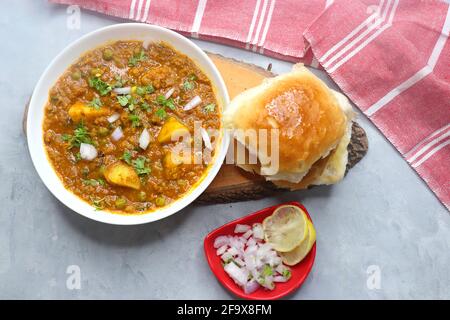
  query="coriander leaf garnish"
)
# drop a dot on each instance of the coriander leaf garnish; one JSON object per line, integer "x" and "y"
{"x": 97, "y": 203}
{"x": 139, "y": 166}
{"x": 145, "y": 90}
{"x": 96, "y": 103}
{"x": 123, "y": 100}
{"x": 135, "y": 120}
{"x": 119, "y": 82}
{"x": 161, "y": 113}
{"x": 188, "y": 85}
{"x": 145, "y": 106}
{"x": 102, "y": 87}
{"x": 210, "y": 107}
{"x": 162, "y": 101}
{"x": 127, "y": 156}
{"x": 136, "y": 58}
{"x": 94, "y": 182}
{"x": 80, "y": 135}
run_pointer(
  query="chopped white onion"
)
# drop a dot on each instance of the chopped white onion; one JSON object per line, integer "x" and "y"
{"x": 206, "y": 139}
{"x": 251, "y": 286}
{"x": 169, "y": 93}
{"x": 193, "y": 103}
{"x": 221, "y": 250}
{"x": 258, "y": 231}
{"x": 241, "y": 228}
{"x": 247, "y": 257}
{"x": 239, "y": 275}
{"x": 146, "y": 43}
{"x": 279, "y": 279}
{"x": 114, "y": 117}
{"x": 88, "y": 151}
{"x": 248, "y": 234}
{"x": 220, "y": 241}
{"x": 117, "y": 134}
{"x": 124, "y": 90}
{"x": 144, "y": 139}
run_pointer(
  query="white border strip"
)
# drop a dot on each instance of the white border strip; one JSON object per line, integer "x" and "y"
{"x": 432, "y": 152}
{"x": 252, "y": 25}
{"x": 198, "y": 17}
{"x": 432, "y": 135}
{"x": 132, "y": 5}
{"x": 146, "y": 10}
{"x": 266, "y": 27}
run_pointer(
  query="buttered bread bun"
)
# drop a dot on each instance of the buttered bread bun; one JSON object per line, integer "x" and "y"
{"x": 312, "y": 123}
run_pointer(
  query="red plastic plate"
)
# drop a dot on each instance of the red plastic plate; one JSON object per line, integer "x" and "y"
{"x": 299, "y": 272}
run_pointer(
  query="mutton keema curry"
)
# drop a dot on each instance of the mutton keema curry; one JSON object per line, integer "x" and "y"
{"x": 110, "y": 121}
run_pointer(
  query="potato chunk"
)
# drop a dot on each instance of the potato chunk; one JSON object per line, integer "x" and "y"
{"x": 172, "y": 128}
{"x": 122, "y": 175}
{"x": 80, "y": 111}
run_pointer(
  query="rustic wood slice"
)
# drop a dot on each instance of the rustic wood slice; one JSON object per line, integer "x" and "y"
{"x": 233, "y": 184}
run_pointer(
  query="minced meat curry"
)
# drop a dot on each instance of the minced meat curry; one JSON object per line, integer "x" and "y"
{"x": 110, "y": 120}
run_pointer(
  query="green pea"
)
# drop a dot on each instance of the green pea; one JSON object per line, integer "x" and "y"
{"x": 120, "y": 203}
{"x": 76, "y": 75}
{"x": 102, "y": 131}
{"x": 96, "y": 71}
{"x": 108, "y": 54}
{"x": 160, "y": 201}
{"x": 142, "y": 196}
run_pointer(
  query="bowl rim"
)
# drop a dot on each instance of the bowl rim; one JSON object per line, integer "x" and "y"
{"x": 36, "y": 145}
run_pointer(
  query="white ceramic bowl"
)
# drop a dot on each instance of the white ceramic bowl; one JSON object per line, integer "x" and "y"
{"x": 126, "y": 31}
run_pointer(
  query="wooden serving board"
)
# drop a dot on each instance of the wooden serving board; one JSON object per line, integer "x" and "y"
{"x": 233, "y": 184}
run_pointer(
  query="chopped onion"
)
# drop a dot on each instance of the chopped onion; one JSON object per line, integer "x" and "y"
{"x": 241, "y": 228}
{"x": 258, "y": 231}
{"x": 114, "y": 117}
{"x": 193, "y": 103}
{"x": 88, "y": 151}
{"x": 248, "y": 234}
{"x": 221, "y": 250}
{"x": 206, "y": 139}
{"x": 124, "y": 90}
{"x": 249, "y": 261}
{"x": 220, "y": 241}
{"x": 146, "y": 43}
{"x": 239, "y": 275}
{"x": 117, "y": 134}
{"x": 169, "y": 93}
{"x": 279, "y": 279}
{"x": 144, "y": 139}
{"x": 251, "y": 287}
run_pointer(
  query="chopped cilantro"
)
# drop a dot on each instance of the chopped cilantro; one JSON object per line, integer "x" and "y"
{"x": 80, "y": 135}
{"x": 102, "y": 87}
{"x": 267, "y": 271}
{"x": 287, "y": 274}
{"x": 188, "y": 85}
{"x": 97, "y": 203}
{"x": 123, "y": 100}
{"x": 210, "y": 107}
{"x": 135, "y": 120}
{"x": 96, "y": 103}
{"x": 119, "y": 82}
{"x": 94, "y": 182}
{"x": 139, "y": 166}
{"x": 162, "y": 101}
{"x": 145, "y": 106}
{"x": 161, "y": 113}
{"x": 136, "y": 58}
{"x": 145, "y": 90}
{"x": 127, "y": 156}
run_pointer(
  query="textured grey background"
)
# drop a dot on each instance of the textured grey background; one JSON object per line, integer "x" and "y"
{"x": 381, "y": 214}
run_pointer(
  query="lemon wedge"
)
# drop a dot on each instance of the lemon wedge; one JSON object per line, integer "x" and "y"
{"x": 299, "y": 253}
{"x": 286, "y": 228}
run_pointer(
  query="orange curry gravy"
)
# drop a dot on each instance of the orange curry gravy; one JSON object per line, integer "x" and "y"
{"x": 124, "y": 177}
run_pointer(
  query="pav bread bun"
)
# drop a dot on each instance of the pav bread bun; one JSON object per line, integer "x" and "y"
{"x": 313, "y": 122}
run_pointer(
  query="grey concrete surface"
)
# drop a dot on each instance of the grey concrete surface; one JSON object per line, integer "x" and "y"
{"x": 382, "y": 217}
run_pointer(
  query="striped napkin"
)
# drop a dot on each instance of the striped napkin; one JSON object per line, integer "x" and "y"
{"x": 390, "y": 57}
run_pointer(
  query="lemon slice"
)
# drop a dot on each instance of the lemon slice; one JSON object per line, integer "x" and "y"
{"x": 299, "y": 253}
{"x": 286, "y": 228}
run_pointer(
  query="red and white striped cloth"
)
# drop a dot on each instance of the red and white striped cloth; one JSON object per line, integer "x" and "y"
{"x": 390, "y": 57}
